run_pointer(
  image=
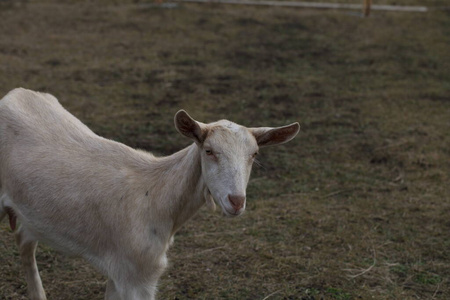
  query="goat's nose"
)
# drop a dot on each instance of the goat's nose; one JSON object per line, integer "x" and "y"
{"x": 237, "y": 201}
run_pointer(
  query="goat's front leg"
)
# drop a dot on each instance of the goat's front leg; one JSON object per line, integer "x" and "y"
{"x": 27, "y": 250}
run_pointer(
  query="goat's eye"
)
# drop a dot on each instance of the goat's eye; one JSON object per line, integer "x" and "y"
{"x": 208, "y": 152}
{"x": 255, "y": 154}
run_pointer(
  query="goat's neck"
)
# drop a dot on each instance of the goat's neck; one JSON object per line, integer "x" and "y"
{"x": 183, "y": 184}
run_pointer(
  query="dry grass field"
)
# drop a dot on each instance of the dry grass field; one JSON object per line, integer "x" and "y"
{"x": 356, "y": 207}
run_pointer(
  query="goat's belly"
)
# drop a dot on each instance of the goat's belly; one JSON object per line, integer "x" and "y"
{"x": 63, "y": 231}
{"x": 58, "y": 236}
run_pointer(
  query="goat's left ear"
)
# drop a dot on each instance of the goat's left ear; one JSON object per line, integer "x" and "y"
{"x": 269, "y": 136}
{"x": 187, "y": 126}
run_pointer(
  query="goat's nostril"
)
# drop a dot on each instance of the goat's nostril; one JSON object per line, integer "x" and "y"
{"x": 237, "y": 201}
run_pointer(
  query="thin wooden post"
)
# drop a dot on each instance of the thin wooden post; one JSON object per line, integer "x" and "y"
{"x": 367, "y": 5}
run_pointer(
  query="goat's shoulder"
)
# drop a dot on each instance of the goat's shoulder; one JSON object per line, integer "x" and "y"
{"x": 39, "y": 114}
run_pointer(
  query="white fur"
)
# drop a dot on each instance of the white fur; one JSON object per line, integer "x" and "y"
{"x": 115, "y": 206}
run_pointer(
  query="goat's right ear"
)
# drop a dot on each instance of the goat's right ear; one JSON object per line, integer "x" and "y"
{"x": 187, "y": 126}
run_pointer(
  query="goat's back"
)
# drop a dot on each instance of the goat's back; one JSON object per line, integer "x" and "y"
{"x": 53, "y": 167}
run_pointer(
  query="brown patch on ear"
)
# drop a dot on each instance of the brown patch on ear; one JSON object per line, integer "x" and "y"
{"x": 266, "y": 136}
{"x": 187, "y": 126}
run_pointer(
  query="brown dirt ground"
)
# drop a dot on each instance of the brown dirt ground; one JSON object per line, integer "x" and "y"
{"x": 356, "y": 207}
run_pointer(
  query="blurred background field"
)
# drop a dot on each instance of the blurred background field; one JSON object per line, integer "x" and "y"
{"x": 356, "y": 207}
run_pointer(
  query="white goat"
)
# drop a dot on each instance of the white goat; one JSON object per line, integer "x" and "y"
{"x": 115, "y": 206}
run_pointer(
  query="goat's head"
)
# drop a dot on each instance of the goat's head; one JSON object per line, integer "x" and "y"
{"x": 227, "y": 152}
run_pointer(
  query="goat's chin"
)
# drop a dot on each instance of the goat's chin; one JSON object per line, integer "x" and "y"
{"x": 232, "y": 214}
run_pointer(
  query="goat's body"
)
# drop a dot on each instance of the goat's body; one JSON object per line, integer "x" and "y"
{"x": 115, "y": 206}
{"x": 75, "y": 190}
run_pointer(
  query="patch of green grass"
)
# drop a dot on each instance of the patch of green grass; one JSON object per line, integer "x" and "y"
{"x": 400, "y": 270}
{"x": 426, "y": 278}
{"x": 338, "y": 294}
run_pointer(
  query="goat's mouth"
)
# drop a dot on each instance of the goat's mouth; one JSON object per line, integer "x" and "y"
{"x": 227, "y": 208}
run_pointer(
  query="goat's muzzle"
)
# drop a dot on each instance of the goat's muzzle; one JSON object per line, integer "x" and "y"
{"x": 237, "y": 202}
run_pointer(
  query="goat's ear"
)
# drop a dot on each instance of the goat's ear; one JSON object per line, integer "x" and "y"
{"x": 189, "y": 127}
{"x": 269, "y": 136}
